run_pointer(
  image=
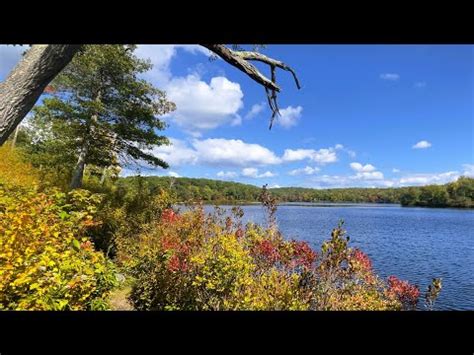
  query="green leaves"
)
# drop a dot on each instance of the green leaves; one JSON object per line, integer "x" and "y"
{"x": 76, "y": 244}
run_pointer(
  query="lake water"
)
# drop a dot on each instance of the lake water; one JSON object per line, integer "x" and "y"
{"x": 414, "y": 244}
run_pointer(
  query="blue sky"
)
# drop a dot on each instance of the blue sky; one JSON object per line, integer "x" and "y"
{"x": 367, "y": 115}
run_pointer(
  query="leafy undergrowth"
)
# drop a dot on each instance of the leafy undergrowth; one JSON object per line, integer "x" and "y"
{"x": 194, "y": 261}
{"x": 47, "y": 261}
{"x": 56, "y": 252}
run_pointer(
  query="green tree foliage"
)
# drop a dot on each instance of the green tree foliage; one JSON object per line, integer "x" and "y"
{"x": 99, "y": 113}
{"x": 456, "y": 194}
{"x": 459, "y": 193}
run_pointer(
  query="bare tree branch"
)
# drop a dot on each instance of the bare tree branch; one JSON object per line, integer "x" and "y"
{"x": 240, "y": 60}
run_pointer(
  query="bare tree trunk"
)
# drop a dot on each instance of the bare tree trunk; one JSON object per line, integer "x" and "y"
{"x": 15, "y": 136}
{"x": 76, "y": 181}
{"x": 27, "y": 81}
{"x": 104, "y": 174}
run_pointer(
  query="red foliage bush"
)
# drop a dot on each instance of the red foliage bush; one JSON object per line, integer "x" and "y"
{"x": 268, "y": 251}
{"x": 303, "y": 254}
{"x": 362, "y": 259}
{"x": 407, "y": 294}
{"x": 169, "y": 216}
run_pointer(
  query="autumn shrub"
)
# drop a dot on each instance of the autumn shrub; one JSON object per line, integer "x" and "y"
{"x": 47, "y": 262}
{"x": 14, "y": 170}
{"x": 198, "y": 261}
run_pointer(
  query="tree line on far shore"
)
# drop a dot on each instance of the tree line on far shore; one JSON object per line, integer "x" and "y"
{"x": 456, "y": 194}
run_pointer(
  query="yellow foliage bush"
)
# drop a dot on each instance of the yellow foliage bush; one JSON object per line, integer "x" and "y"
{"x": 46, "y": 260}
{"x": 14, "y": 171}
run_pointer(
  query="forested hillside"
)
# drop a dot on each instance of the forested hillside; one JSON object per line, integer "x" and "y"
{"x": 456, "y": 194}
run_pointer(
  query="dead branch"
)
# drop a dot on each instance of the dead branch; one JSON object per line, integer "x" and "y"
{"x": 240, "y": 60}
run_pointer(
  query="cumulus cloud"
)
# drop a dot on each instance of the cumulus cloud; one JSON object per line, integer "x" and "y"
{"x": 215, "y": 152}
{"x": 374, "y": 175}
{"x": 289, "y": 116}
{"x": 362, "y": 168}
{"x": 468, "y": 170}
{"x": 394, "y": 170}
{"x": 233, "y": 152}
{"x": 422, "y": 145}
{"x": 308, "y": 170}
{"x": 253, "y": 173}
{"x": 321, "y": 156}
{"x": 334, "y": 181}
{"x": 365, "y": 172}
{"x": 203, "y": 106}
{"x": 390, "y": 76}
{"x": 177, "y": 153}
{"x": 426, "y": 179}
{"x": 174, "y": 174}
{"x": 255, "y": 110}
{"x": 227, "y": 174}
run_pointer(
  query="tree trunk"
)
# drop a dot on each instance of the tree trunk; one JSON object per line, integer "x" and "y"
{"x": 104, "y": 174}
{"x": 76, "y": 181}
{"x": 15, "y": 136}
{"x": 27, "y": 81}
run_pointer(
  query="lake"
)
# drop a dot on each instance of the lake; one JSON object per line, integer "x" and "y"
{"x": 414, "y": 244}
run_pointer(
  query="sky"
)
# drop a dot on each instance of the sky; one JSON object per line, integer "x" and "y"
{"x": 366, "y": 115}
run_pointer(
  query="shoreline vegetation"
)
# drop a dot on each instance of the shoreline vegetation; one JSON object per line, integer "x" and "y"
{"x": 458, "y": 194}
{"x": 108, "y": 247}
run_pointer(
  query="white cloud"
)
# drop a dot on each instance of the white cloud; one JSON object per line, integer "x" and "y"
{"x": 215, "y": 152}
{"x": 308, "y": 170}
{"x": 255, "y": 110}
{"x": 233, "y": 152}
{"x": 374, "y": 175}
{"x": 331, "y": 181}
{"x": 253, "y": 173}
{"x": 174, "y": 174}
{"x": 274, "y": 186}
{"x": 468, "y": 170}
{"x": 394, "y": 170}
{"x": 176, "y": 154}
{"x": 362, "y": 168}
{"x": 289, "y": 116}
{"x": 297, "y": 154}
{"x": 203, "y": 106}
{"x": 338, "y": 146}
{"x": 422, "y": 145}
{"x": 321, "y": 156}
{"x": 9, "y": 57}
{"x": 365, "y": 172}
{"x": 420, "y": 84}
{"x": 227, "y": 174}
{"x": 161, "y": 56}
{"x": 426, "y": 179}
{"x": 390, "y": 76}
{"x": 200, "y": 105}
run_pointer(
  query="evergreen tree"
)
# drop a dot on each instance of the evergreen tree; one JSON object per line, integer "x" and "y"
{"x": 101, "y": 112}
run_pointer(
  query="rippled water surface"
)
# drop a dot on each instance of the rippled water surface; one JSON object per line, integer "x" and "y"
{"x": 415, "y": 244}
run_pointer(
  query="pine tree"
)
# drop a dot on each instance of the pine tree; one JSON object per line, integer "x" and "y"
{"x": 102, "y": 112}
